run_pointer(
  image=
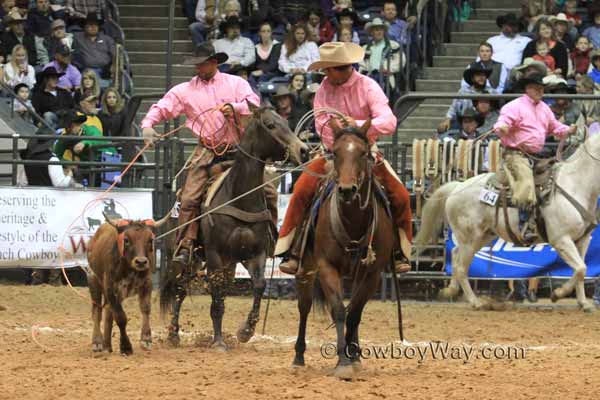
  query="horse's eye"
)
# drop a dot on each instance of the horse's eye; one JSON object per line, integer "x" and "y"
{"x": 270, "y": 125}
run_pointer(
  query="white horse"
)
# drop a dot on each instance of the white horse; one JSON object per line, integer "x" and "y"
{"x": 474, "y": 223}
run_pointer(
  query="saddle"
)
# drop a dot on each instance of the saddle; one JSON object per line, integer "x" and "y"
{"x": 544, "y": 172}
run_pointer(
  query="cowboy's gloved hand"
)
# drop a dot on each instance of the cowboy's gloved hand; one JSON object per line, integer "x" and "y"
{"x": 227, "y": 110}
{"x": 503, "y": 130}
{"x": 572, "y": 129}
{"x": 150, "y": 136}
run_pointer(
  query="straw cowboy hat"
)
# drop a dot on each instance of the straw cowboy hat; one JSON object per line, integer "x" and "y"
{"x": 556, "y": 84}
{"x": 335, "y": 54}
{"x": 530, "y": 62}
{"x": 203, "y": 53}
{"x": 561, "y": 17}
{"x": 376, "y": 23}
{"x": 13, "y": 17}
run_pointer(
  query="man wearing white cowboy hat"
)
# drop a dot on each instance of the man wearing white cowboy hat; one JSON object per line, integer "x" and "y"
{"x": 382, "y": 55}
{"x": 359, "y": 98}
{"x": 563, "y": 28}
{"x": 15, "y": 35}
{"x": 208, "y": 90}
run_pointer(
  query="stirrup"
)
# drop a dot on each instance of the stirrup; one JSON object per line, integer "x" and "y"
{"x": 401, "y": 263}
{"x": 182, "y": 255}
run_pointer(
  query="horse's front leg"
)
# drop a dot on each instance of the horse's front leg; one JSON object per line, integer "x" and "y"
{"x": 217, "y": 282}
{"x": 331, "y": 283}
{"x": 570, "y": 254}
{"x": 180, "y": 295}
{"x": 256, "y": 269}
{"x": 304, "y": 289}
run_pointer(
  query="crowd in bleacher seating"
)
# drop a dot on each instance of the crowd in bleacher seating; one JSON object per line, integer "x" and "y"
{"x": 557, "y": 39}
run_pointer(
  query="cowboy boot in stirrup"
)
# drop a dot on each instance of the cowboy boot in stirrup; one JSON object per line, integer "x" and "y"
{"x": 401, "y": 263}
{"x": 291, "y": 262}
{"x": 289, "y": 265}
{"x": 183, "y": 254}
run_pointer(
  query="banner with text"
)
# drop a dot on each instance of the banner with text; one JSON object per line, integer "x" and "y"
{"x": 36, "y": 222}
{"x": 504, "y": 260}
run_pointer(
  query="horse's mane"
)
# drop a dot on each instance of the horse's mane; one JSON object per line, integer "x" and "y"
{"x": 584, "y": 147}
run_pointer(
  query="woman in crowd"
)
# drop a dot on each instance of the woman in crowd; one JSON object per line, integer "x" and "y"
{"x": 18, "y": 69}
{"x": 297, "y": 53}
{"x": 297, "y": 84}
{"x": 112, "y": 113}
{"x": 267, "y": 52}
{"x": 320, "y": 28}
{"x": 90, "y": 86}
{"x": 345, "y": 35}
{"x": 348, "y": 19}
{"x": 544, "y": 32}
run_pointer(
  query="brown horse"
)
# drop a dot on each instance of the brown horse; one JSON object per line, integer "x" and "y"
{"x": 353, "y": 237}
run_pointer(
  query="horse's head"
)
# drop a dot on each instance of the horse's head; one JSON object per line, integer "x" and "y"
{"x": 351, "y": 152}
{"x": 271, "y": 137}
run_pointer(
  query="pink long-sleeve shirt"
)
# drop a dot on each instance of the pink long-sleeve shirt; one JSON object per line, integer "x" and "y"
{"x": 193, "y": 98}
{"x": 360, "y": 98}
{"x": 528, "y": 124}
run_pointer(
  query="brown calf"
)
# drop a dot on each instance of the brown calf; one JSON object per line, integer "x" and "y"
{"x": 121, "y": 256}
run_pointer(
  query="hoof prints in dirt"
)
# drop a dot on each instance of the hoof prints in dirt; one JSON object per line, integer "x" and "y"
{"x": 2, "y": 308}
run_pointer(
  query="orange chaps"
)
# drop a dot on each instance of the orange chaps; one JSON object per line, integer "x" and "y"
{"x": 306, "y": 187}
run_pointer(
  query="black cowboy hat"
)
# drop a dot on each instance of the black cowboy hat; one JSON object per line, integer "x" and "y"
{"x": 537, "y": 79}
{"x": 508, "y": 19}
{"x": 473, "y": 114}
{"x": 93, "y": 18}
{"x": 203, "y": 53}
{"x": 48, "y": 72}
{"x": 474, "y": 69}
{"x": 38, "y": 145}
{"x": 495, "y": 104}
{"x": 229, "y": 22}
{"x": 68, "y": 117}
{"x": 347, "y": 12}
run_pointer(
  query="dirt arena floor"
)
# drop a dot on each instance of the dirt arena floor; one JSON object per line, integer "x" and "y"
{"x": 561, "y": 353}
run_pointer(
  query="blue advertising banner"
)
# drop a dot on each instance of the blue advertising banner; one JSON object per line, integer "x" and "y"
{"x": 504, "y": 260}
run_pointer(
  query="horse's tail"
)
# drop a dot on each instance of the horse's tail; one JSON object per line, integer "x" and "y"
{"x": 168, "y": 293}
{"x": 432, "y": 217}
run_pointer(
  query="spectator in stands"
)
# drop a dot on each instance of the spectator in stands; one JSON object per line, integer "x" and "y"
{"x": 595, "y": 72}
{"x": 297, "y": 53}
{"x": 562, "y": 29}
{"x": 112, "y": 113}
{"x": 345, "y": 35}
{"x": 73, "y": 123}
{"x": 94, "y": 50}
{"x": 544, "y": 32}
{"x": 580, "y": 57}
{"x": 267, "y": 52}
{"x": 48, "y": 99}
{"x": 383, "y": 57}
{"x": 88, "y": 107}
{"x": 542, "y": 54}
{"x": 297, "y": 84}
{"x": 533, "y": 10}
{"x": 564, "y": 110}
{"x": 508, "y": 45}
{"x": 17, "y": 35}
{"x": 23, "y": 7}
{"x": 6, "y": 7}
{"x": 497, "y": 79}
{"x": 476, "y": 78}
{"x": 81, "y": 9}
{"x": 18, "y": 69}
{"x": 45, "y": 175}
{"x": 22, "y": 91}
{"x": 40, "y": 19}
{"x": 239, "y": 49}
{"x": 488, "y": 110}
{"x": 292, "y": 12}
{"x": 397, "y": 28}
{"x": 589, "y": 109}
{"x": 593, "y": 32}
{"x": 71, "y": 80}
{"x": 209, "y": 15}
{"x": 321, "y": 30}
{"x": 287, "y": 106}
{"x": 469, "y": 121}
{"x": 189, "y": 10}
{"x": 90, "y": 86}
{"x": 347, "y": 18}
{"x": 58, "y": 37}
{"x": 571, "y": 13}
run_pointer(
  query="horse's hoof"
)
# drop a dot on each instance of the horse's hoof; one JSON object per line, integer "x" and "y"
{"x": 126, "y": 349}
{"x": 447, "y": 294}
{"x": 219, "y": 347}
{"x": 173, "y": 340}
{"x": 344, "y": 372}
{"x": 478, "y": 305}
{"x": 97, "y": 347}
{"x": 357, "y": 366}
{"x": 554, "y": 297}
{"x": 146, "y": 345}
{"x": 244, "y": 334}
{"x": 587, "y": 308}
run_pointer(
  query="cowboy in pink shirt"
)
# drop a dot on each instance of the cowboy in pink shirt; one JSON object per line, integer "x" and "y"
{"x": 359, "y": 98}
{"x": 523, "y": 126}
{"x": 206, "y": 100}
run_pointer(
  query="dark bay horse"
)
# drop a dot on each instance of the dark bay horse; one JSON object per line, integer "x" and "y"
{"x": 354, "y": 237}
{"x": 228, "y": 239}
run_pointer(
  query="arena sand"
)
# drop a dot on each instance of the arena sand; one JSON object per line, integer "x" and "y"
{"x": 561, "y": 360}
